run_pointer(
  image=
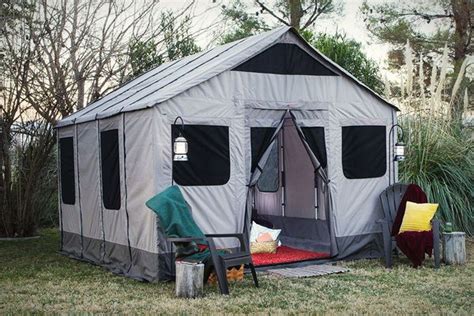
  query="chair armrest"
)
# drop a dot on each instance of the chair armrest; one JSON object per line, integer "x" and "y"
{"x": 235, "y": 235}
{"x": 240, "y": 236}
{"x": 185, "y": 239}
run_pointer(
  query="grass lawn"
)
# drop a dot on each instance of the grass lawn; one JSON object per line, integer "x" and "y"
{"x": 35, "y": 278}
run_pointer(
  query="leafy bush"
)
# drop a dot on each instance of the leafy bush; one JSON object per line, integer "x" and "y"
{"x": 31, "y": 199}
{"x": 348, "y": 54}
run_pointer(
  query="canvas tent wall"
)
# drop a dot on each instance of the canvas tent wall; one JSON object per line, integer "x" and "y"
{"x": 116, "y": 153}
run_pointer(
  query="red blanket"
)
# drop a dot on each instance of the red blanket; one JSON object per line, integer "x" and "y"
{"x": 286, "y": 254}
{"x": 413, "y": 244}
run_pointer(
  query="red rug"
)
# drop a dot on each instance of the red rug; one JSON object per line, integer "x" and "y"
{"x": 286, "y": 254}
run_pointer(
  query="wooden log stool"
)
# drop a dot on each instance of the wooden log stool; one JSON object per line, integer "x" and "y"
{"x": 189, "y": 279}
{"x": 454, "y": 248}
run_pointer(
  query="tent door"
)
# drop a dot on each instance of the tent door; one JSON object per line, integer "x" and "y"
{"x": 299, "y": 175}
{"x": 297, "y": 189}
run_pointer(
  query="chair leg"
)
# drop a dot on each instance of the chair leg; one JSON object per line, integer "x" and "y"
{"x": 387, "y": 245}
{"x": 221, "y": 273}
{"x": 219, "y": 268}
{"x": 436, "y": 242}
{"x": 254, "y": 274}
{"x": 208, "y": 268}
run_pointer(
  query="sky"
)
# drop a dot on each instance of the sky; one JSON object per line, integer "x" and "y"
{"x": 348, "y": 21}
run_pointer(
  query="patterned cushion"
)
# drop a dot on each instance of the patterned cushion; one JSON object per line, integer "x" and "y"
{"x": 263, "y": 247}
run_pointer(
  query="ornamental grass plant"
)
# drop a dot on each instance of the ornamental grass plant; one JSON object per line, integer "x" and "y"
{"x": 440, "y": 149}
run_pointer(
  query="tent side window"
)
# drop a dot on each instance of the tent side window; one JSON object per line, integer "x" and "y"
{"x": 268, "y": 181}
{"x": 109, "y": 150}
{"x": 68, "y": 190}
{"x": 316, "y": 141}
{"x": 208, "y": 155}
{"x": 260, "y": 139}
{"x": 364, "y": 151}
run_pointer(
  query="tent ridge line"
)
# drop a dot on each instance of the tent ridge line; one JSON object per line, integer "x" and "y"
{"x": 273, "y": 37}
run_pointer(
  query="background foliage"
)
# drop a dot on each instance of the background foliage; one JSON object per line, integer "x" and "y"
{"x": 348, "y": 54}
{"x": 55, "y": 58}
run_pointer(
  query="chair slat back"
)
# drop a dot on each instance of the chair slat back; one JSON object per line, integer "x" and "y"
{"x": 390, "y": 199}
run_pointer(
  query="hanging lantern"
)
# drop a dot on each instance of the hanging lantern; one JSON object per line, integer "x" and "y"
{"x": 399, "y": 151}
{"x": 180, "y": 144}
{"x": 180, "y": 149}
{"x": 396, "y": 152}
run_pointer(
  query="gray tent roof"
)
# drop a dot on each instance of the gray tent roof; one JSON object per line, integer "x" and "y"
{"x": 170, "y": 79}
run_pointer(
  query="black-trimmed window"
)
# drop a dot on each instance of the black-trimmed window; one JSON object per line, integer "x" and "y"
{"x": 269, "y": 179}
{"x": 68, "y": 190}
{"x": 364, "y": 152}
{"x": 109, "y": 149}
{"x": 208, "y": 155}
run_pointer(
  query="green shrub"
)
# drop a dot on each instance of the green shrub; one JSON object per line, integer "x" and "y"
{"x": 440, "y": 160}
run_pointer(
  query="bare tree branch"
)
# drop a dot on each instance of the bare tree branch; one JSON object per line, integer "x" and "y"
{"x": 267, "y": 9}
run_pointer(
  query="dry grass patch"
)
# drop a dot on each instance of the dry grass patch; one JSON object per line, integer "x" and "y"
{"x": 35, "y": 278}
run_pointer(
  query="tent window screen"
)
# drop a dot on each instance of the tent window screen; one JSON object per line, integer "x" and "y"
{"x": 364, "y": 151}
{"x": 109, "y": 149}
{"x": 68, "y": 192}
{"x": 285, "y": 59}
{"x": 208, "y": 155}
{"x": 268, "y": 181}
{"x": 315, "y": 138}
{"x": 260, "y": 138}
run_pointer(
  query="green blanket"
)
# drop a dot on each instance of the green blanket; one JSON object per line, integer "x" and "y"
{"x": 177, "y": 222}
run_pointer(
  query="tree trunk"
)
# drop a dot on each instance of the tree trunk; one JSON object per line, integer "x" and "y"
{"x": 80, "y": 93}
{"x": 8, "y": 218}
{"x": 296, "y": 13}
{"x": 2, "y": 177}
{"x": 3, "y": 208}
{"x": 462, "y": 15}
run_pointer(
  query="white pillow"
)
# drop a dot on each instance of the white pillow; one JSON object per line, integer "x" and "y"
{"x": 258, "y": 229}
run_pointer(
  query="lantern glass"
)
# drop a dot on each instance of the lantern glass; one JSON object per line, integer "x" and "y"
{"x": 180, "y": 148}
{"x": 399, "y": 151}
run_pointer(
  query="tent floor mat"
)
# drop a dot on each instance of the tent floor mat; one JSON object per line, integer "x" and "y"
{"x": 286, "y": 254}
{"x": 308, "y": 271}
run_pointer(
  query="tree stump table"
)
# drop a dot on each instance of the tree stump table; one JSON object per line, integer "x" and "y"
{"x": 189, "y": 279}
{"x": 454, "y": 248}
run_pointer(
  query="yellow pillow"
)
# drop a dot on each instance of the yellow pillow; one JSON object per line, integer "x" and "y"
{"x": 418, "y": 217}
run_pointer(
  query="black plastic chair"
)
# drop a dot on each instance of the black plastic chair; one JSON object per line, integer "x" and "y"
{"x": 390, "y": 199}
{"x": 220, "y": 261}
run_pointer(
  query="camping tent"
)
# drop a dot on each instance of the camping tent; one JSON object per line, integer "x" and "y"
{"x": 274, "y": 128}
